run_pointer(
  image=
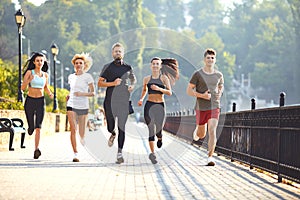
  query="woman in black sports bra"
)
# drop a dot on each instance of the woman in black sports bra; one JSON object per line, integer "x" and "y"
{"x": 164, "y": 73}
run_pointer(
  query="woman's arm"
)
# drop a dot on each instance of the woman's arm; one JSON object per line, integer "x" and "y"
{"x": 27, "y": 78}
{"x": 166, "y": 81}
{"x": 46, "y": 87}
{"x": 90, "y": 93}
{"x": 144, "y": 90}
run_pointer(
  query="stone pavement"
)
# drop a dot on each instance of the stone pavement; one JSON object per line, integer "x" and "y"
{"x": 180, "y": 173}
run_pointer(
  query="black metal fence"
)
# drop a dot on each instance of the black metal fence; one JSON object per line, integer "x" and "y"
{"x": 268, "y": 139}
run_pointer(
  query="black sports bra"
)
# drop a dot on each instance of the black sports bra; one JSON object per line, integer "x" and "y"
{"x": 157, "y": 82}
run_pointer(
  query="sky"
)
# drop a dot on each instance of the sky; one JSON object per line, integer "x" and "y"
{"x": 227, "y": 3}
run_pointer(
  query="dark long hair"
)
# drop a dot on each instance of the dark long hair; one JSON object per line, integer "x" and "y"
{"x": 169, "y": 68}
{"x": 29, "y": 65}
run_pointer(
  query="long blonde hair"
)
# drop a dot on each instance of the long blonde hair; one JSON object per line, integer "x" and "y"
{"x": 88, "y": 61}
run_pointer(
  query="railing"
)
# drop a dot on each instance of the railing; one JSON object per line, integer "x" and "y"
{"x": 268, "y": 139}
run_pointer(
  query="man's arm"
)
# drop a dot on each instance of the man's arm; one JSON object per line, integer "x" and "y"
{"x": 220, "y": 91}
{"x": 132, "y": 79}
{"x": 103, "y": 83}
{"x": 190, "y": 90}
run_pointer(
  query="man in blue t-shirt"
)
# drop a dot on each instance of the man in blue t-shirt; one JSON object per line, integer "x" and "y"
{"x": 119, "y": 79}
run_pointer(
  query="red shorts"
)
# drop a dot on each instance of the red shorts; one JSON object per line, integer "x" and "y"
{"x": 202, "y": 117}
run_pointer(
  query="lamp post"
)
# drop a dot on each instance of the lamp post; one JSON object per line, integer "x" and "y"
{"x": 54, "y": 51}
{"x": 20, "y": 21}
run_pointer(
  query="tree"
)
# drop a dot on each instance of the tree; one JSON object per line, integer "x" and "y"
{"x": 8, "y": 31}
{"x": 206, "y": 15}
{"x": 295, "y": 10}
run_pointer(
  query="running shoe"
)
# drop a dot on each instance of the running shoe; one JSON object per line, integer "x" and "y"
{"x": 211, "y": 161}
{"x": 82, "y": 141}
{"x": 75, "y": 159}
{"x": 152, "y": 157}
{"x": 120, "y": 158}
{"x": 111, "y": 140}
{"x": 37, "y": 154}
{"x": 195, "y": 136}
{"x": 159, "y": 143}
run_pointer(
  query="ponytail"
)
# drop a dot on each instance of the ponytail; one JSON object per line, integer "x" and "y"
{"x": 170, "y": 69}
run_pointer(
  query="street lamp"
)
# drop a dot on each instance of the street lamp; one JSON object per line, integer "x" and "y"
{"x": 20, "y": 21}
{"x": 54, "y": 51}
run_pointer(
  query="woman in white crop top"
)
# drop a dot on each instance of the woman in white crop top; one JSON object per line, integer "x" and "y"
{"x": 36, "y": 80}
{"x": 81, "y": 87}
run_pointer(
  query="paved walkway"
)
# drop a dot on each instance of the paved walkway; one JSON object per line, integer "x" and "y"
{"x": 180, "y": 173}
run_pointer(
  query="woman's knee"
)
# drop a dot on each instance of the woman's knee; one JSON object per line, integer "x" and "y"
{"x": 159, "y": 134}
{"x": 151, "y": 138}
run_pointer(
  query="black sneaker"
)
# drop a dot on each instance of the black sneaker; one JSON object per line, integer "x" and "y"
{"x": 159, "y": 143}
{"x": 120, "y": 158}
{"x": 152, "y": 157}
{"x": 37, "y": 154}
{"x": 75, "y": 160}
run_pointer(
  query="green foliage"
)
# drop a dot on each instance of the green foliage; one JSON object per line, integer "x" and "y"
{"x": 11, "y": 105}
{"x": 8, "y": 79}
{"x": 61, "y": 95}
{"x": 205, "y": 17}
{"x": 257, "y": 37}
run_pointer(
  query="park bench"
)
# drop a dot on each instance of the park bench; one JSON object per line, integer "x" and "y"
{"x": 14, "y": 125}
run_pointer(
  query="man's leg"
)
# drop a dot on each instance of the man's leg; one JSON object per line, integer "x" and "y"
{"x": 110, "y": 121}
{"x": 201, "y": 131}
{"x": 212, "y": 131}
{"x": 122, "y": 118}
{"x": 201, "y": 125}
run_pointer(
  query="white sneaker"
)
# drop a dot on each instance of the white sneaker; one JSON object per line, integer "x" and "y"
{"x": 211, "y": 161}
{"x": 75, "y": 159}
{"x": 195, "y": 136}
{"x": 82, "y": 141}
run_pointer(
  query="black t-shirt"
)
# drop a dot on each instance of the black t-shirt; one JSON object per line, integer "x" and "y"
{"x": 112, "y": 71}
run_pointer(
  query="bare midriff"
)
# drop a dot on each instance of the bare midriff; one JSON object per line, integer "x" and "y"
{"x": 35, "y": 92}
{"x": 156, "y": 98}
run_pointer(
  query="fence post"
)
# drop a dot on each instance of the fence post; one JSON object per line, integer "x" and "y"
{"x": 232, "y": 133}
{"x": 282, "y": 98}
{"x": 233, "y": 107}
{"x": 253, "y": 104}
{"x": 57, "y": 122}
{"x": 251, "y": 142}
{"x": 281, "y": 103}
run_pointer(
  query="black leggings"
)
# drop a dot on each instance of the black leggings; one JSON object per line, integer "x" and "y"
{"x": 119, "y": 110}
{"x": 34, "y": 109}
{"x": 154, "y": 115}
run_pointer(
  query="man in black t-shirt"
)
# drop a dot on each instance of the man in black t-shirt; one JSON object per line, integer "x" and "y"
{"x": 119, "y": 79}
